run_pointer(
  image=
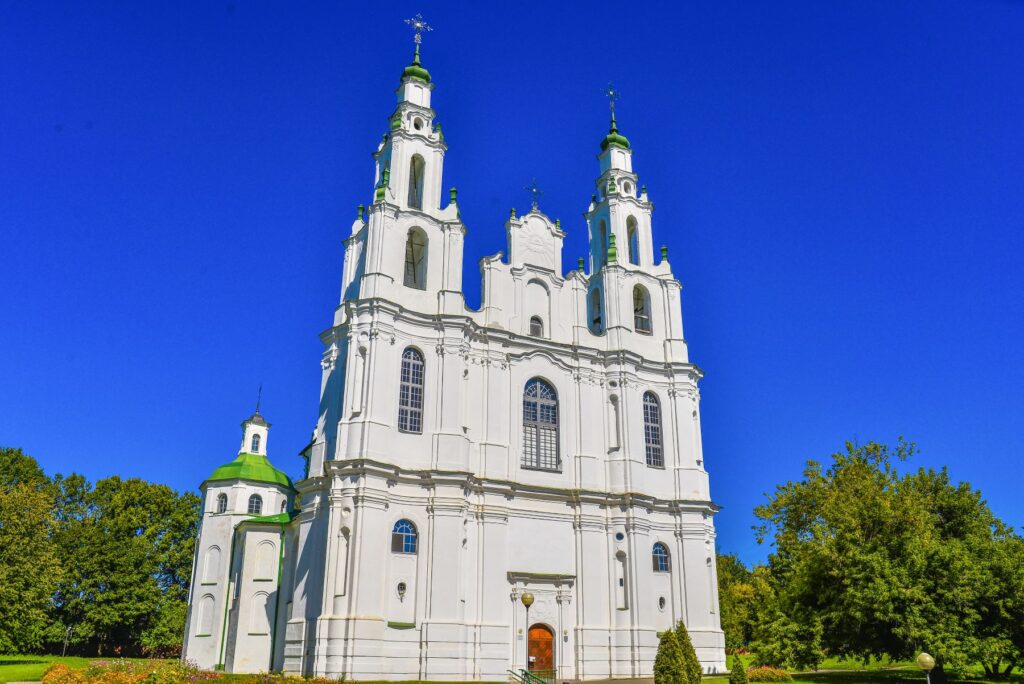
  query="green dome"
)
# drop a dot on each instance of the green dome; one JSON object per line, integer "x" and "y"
{"x": 614, "y": 138}
{"x": 415, "y": 70}
{"x": 252, "y": 467}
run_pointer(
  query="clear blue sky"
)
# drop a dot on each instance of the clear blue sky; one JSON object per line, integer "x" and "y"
{"x": 839, "y": 184}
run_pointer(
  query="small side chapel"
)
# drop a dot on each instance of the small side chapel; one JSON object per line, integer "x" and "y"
{"x": 519, "y": 487}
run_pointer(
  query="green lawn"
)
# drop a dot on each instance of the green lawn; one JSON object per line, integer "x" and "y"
{"x": 15, "y": 668}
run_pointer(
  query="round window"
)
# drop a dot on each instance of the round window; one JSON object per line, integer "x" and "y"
{"x": 417, "y": 123}
{"x": 619, "y": 536}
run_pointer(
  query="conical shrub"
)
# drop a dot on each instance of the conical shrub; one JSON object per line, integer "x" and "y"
{"x": 738, "y": 675}
{"x": 668, "y": 663}
{"x": 693, "y": 668}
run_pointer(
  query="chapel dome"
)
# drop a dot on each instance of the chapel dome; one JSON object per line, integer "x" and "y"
{"x": 251, "y": 467}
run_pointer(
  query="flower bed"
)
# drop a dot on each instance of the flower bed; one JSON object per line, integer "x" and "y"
{"x": 158, "y": 672}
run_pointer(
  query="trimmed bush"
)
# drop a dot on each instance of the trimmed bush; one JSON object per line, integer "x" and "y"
{"x": 766, "y": 673}
{"x": 739, "y": 672}
{"x": 669, "y": 667}
{"x": 692, "y": 664}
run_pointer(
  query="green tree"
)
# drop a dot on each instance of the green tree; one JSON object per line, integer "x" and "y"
{"x": 669, "y": 667}
{"x": 887, "y": 564}
{"x": 127, "y": 545}
{"x": 735, "y": 601}
{"x": 738, "y": 674}
{"x": 29, "y": 568}
{"x": 690, "y": 661}
{"x": 17, "y": 468}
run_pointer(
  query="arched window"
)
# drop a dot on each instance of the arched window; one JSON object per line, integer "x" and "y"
{"x": 536, "y": 327}
{"x": 410, "y": 392}
{"x": 254, "y": 446}
{"x": 602, "y": 245}
{"x": 540, "y": 426}
{"x": 641, "y": 310}
{"x": 416, "y": 169}
{"x": 596, "y": 320}
{"x": 652, "y": 431}
{"x": 403, "y": 537}
{"x": 416, "y": 259}
{"x": 222, "y": 502}
{"x": 660, "y": 559}
{"x": 255, "y": 504}
{"x": 284, "y": 505}
{"x": 633, "y": 238}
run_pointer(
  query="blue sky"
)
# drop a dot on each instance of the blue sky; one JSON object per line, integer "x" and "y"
{"x": 839, "y": 185}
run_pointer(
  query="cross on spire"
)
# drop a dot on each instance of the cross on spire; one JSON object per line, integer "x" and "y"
{"x": 419, "y": 25}
{"x": 613, "y": 95}
{"x": 259, "y": 396}
{"x": 534, "y": 191}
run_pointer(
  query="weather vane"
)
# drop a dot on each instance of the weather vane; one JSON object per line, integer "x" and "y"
{"x": 534, "y": 191}
{"x": 419, "y": 26}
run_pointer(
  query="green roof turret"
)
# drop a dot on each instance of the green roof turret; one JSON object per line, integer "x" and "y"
{"x": 614, "y": 138}
{"x": 251, "y": 467}
{"x": 416, "y": 70}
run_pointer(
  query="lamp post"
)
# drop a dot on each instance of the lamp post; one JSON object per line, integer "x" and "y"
{"x": 527, "y": 600}
{"x": 926, "y": 663}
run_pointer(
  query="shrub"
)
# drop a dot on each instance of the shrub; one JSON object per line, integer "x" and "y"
{"x": 739, "y": 672}
{"x": 690, "y": 661}
{"x": 669, "y": 667}
{"x": 765, "y": 673}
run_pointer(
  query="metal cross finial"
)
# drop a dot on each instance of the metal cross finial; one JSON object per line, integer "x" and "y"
{"x": 534, "y": 191}
{"x": 259, "y": 396}
{"x": 612, "y": 94}
{"x": 419, "y": 26}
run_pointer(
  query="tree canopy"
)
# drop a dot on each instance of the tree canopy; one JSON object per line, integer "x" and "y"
{"x": 869, "y": 562}
{"x": 105, "y": 565}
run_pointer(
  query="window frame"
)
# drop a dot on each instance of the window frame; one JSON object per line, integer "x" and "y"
{"x": 536, "y": 326}
{"x": 541, "y": 433}
{"x": 642, "y": 322}
{"x": 222, "y": 503}
{"x": 258, "y": 508}
{"x": 654, "y": 433}
{"x": 406, "y": 539}
{"x": 254, "y": 443}
{"x": 414, "y": 271}
{"x": 661, "y": 559}
{"x": 411, "y": 394}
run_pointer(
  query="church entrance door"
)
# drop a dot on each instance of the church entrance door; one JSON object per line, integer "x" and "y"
{"x": 541, "y": 648}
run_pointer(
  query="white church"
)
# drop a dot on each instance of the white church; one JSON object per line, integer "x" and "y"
{"x": 519, "y": 487}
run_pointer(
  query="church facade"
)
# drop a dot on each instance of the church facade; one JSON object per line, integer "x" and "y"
{"x": 519, "y": 486}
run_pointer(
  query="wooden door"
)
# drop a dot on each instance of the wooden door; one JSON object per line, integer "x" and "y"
{"x": 541, "y": 648}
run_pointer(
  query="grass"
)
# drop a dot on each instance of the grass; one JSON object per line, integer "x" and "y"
{"x": 18, "y": 668}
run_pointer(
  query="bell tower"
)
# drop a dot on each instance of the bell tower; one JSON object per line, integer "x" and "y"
{"x": 408, "y": 248}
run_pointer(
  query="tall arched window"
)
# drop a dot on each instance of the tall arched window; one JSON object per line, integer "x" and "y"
{"x": 540, "y": 426}
{"x": 416, "y": 259}
{"x": 254, "y": 445}
{"x": 596, "y": 319}
{"x": 416, "y": 169}
{"x": 641, "y": 310}
{"x": 255, "y": 504}
{"x": 602, "y": 245}
{"x": 633, "y": 238}
{"x": 403, "y": 537}
{"x": 222, "y": 502}
{"x": 660, "y": 559}
{"x": 410, "y": 392}
{"x": 652, "y": 431}
{"x": 536, "y": 327}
